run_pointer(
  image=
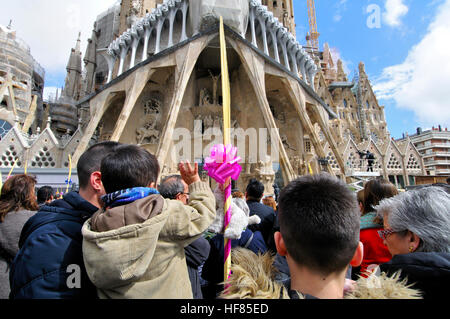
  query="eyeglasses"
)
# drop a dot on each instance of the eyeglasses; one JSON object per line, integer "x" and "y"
{"x": 386, "y": 232}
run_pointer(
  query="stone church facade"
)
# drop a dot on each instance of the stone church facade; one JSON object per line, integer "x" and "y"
{"x": 162, "y": 85}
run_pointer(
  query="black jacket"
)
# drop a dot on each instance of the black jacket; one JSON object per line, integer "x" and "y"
{"x": 196, "y": 255}
{"x": 429, "y": 272}
{"x": 267, "y": 215}
{"x": 50, "y": 247}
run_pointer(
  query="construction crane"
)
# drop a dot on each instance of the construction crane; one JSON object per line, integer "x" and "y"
{"x": 313, "y": 36}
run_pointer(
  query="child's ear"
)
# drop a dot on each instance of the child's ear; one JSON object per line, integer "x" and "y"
{"x": 279, "y": 243}
{"x": 358, "y": 257}
{"x": 152, "y": 185}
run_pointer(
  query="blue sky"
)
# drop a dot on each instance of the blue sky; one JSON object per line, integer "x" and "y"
{"x": 403, "y": 25}
{"x": 407, "y": 57}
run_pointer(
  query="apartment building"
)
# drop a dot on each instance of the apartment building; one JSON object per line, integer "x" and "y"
{"x": 434, "y": 146}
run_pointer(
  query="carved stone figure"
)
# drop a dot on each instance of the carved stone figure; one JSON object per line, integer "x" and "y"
{"x": 208, "y": 122}
{"x": 152, "y": 106}
{"x": 205, "y": 98}
{"x": 215, "y": 86}
{"x": 284, "y": 139}
{"x": 296, "y": 162}
{"x": 218, "y": 122}
{"x": 148, "y": 132}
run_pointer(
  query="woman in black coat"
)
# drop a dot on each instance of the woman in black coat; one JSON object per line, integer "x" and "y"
{"x": 417, "y": 234}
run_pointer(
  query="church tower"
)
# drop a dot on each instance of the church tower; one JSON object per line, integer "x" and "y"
{"x": 72, "y": 85}
{"x": 132, "y": 9}
{"x": 284, "y": 11}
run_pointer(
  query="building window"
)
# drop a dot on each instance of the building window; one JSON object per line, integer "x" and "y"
{"x": 5, "y": 127}
{"x": 308, "y": 146}
{"x": 345, "y": 103}
{"x": 275, "y": 4}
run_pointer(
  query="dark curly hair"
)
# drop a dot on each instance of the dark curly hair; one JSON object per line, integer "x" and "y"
{"x": 18, "y": 193}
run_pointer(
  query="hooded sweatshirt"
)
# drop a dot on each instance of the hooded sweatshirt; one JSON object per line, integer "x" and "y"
{"x": 136, "y": 251}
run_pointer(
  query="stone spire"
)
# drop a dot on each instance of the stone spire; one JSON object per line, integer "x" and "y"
{"x": 73, "y": 79}
{"x": 341, "y": 76}
{"x": 90, "y": 63}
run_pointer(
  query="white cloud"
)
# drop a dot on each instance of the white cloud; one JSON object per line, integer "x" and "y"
{"x": 51, "y": 93}
{"x": 51, "y": 27}
{"x": 395, "y": 10}
{"x": 420, "y": 83}
{"x": 341, "y": 7}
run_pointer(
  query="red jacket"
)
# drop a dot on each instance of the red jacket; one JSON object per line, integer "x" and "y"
{"x": 375, "y": 252}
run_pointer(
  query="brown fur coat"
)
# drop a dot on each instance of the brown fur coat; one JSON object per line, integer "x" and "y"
{"x": 253, "y": 278}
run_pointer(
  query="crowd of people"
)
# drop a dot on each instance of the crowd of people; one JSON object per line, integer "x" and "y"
{"x": 126, "y": 234}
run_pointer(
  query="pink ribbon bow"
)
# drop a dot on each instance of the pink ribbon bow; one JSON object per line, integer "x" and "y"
{"x": 223, "y": 163}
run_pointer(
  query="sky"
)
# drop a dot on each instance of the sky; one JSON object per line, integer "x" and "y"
{"x": 403, "y": 43}
{"x": 405, "y": 47}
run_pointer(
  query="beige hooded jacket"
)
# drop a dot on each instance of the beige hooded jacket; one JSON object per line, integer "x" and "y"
{"x": 136, "y": 251}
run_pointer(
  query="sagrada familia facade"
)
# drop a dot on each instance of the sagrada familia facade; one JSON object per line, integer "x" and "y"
{"x": 152, "y": 69}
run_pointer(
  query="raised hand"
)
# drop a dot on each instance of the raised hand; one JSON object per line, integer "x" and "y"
{"x": 189, "y": 174}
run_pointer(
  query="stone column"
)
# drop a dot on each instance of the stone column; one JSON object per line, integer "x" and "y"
{"x": 275, "y": 45}
{"x": 184, "y": 9}
{"x": 172, "y": 14}
{"x": 134, "y": 44}
{"x": 124, "y": 44}
{"x": 254, "y": 67}
{"x": 186, "y": 58}
{"x": 135, "y": 88}
{"x": 252, "y": 27}
{"x": 98, "y": 106}
{"x": 298, "y": 100}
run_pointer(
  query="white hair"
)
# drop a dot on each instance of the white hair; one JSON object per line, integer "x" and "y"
{"x": 425, "y": 212}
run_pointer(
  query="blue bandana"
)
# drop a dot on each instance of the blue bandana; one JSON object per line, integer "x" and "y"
{"x": 127, "y": 196}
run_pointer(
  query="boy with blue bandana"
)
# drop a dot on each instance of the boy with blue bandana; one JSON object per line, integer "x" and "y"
{"x": 133, "y": 247}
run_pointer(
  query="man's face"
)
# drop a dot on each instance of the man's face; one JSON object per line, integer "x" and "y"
{"x": 184, "y": 197}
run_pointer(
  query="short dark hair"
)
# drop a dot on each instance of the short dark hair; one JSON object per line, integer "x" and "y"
{"x": 44, "y": 194}
{"x": 127, "y": 167}
{"x": 90, "y": 161}
{"x": 319, "y": 221}
{"x": 171, "y": 186}
{"x": 255, "y": 189}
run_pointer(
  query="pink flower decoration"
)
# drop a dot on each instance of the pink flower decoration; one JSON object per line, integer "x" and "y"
{"x": 223, "y": 163}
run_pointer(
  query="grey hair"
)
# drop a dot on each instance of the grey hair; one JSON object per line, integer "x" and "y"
{"x": 171, "y": 186}
{"x": 425, "y": 212}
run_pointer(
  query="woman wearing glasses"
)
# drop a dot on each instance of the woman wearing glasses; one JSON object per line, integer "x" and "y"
{"x": 417, "y": 234}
